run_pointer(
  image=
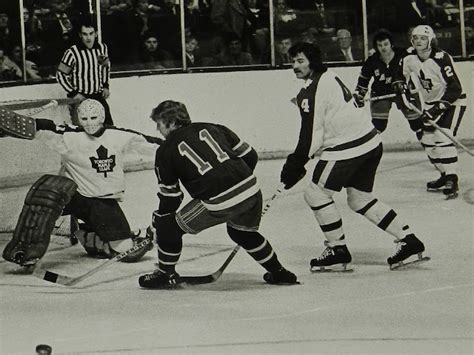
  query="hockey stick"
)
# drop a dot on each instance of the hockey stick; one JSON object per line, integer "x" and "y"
{"x": 51, "y": 104}
{"x": 376, "y": 98}
{"x": 25, "y": 105}
{"x": 437, "y": 127}
{"x": 205, "y": 279}
{"x": 71, "y": 281}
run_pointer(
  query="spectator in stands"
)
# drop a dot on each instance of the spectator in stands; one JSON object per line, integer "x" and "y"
{"x": 167, "y": 25}
{"x": 4, "y": 30}
{"x": 31, "y": 69}
{"x": 345, "y": 52}
{"x": 33, "y": 30}
{"x": 193, "y": 59}
{"x": 7, "y": 67}
{"x": 152, "y": 56}
{"x": 231, "y": 17}
{"x": 84, "y": 70}
{"x": 281, "y": 54}
{"x": 57, "y": 31}
{"x": 285, "y": 18}
{"x": 233, "y": 53}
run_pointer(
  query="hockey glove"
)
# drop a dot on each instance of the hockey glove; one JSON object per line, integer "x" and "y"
{"x": 359, "y": 96}
{"x": 435, "y": 112}
{"x": 292, "y": 172}
{"x": 399, "y": 87}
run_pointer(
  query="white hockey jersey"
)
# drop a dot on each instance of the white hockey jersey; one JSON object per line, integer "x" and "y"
{"x": 435, "y": 78}
{"x": 95, "y": 163}
{"x": 331, "y": 123}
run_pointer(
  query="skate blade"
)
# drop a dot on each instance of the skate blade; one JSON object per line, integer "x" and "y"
{"x": 404, "y": 264}
{"x": 332, "y": 268}
{"x": 451, "y": 196}
{"x": 435, "y": 190}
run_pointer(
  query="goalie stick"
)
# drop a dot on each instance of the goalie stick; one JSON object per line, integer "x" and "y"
{"x": 205, "y": 279}
{"x": 53, "y": 277}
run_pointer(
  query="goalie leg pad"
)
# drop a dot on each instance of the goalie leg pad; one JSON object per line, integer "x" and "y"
{"x": 43, "y": 206}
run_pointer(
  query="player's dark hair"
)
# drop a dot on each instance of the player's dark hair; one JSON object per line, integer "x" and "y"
{"x": 382, "y": 35}
{"x": 170, "y": 111}
{"x": 312, "y": 52}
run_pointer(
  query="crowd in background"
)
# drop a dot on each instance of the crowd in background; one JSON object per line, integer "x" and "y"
{"x": 146, "y": 34}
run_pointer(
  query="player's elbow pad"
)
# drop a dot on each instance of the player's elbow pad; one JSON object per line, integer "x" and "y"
{"x": 251, "y": 159}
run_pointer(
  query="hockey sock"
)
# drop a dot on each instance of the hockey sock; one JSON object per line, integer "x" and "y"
{"x": 169, "y": 242}
{"x": 448, "y": 158}
{"x": 377, "y": 212}
{"x": 257, "y": 247}
{"x": 168, "y": 255}
{"x": 330, "y": 221}
{"x": 320, "y": 201}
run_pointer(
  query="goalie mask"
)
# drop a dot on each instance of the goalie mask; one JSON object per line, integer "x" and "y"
{"x": 91, "y": 116}
{"x": 423, "y": 30}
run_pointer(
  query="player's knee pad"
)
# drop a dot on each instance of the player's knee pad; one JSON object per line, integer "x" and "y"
{"x": 43, "y": 206}
{"x": 380, "y": 124}
{"x": 316, "y": 196}
{"x": 358, "y": 200}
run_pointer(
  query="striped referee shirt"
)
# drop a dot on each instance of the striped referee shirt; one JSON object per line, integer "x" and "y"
{"x": 83, "y": 70}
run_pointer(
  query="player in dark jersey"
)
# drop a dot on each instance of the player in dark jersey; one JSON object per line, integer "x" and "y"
{"x": 381, "y": 66}
{"x": 216, "y": 168}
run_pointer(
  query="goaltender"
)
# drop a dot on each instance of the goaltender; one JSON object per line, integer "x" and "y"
{"x": 93, "y": 183}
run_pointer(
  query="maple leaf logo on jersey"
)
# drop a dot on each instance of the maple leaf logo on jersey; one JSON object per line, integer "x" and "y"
{"x": 103, "y": 163}
{"x": 425, "y": 82}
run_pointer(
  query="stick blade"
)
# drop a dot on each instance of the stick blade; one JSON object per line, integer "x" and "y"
{"x": 53, "y": 277}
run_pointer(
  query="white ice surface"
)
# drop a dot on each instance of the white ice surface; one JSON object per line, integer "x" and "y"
{"x": 423, "y": 310}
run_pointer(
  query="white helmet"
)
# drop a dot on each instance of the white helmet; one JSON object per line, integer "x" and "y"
{"x": 88, "y": 109}
{"x": 424, "y": 30}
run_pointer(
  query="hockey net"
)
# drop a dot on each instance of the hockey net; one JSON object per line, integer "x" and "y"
{"x": 14, "y": 185}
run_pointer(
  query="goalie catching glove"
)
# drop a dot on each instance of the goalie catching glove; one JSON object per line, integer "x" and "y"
{"x": 293, "y": 171}
{"x": 43, "y": 205}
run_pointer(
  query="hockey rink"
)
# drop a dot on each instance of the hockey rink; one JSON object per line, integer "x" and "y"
{"x": 425, "y": 309}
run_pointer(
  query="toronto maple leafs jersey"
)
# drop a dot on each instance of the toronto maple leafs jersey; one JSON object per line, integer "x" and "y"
{"x": 435, "y": 77}
{"x": 330, "y": 122}
{"x": 209, "y": 160}
{"x": 94, "y": 163}
{"x": 381, "y": 72}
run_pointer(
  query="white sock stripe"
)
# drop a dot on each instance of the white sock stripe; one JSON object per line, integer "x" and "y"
{"x": 260, "y": 247}
{"x": 167, "y": 253}
{"x": 267, "y": 258}
{"x": 167, "y": 262}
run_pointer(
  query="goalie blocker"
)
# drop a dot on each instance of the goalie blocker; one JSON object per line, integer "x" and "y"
{"x": 43, "y": 205}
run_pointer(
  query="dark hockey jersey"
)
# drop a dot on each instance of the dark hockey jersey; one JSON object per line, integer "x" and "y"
{"x": 382, "y": 73}
{"x": 209, "y": 160}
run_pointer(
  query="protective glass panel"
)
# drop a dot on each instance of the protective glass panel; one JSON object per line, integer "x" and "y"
{"x": 11, "y": 57}
{"x": 336, "y": 26}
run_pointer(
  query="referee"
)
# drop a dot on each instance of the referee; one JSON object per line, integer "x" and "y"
{"x": 84, "y": 70}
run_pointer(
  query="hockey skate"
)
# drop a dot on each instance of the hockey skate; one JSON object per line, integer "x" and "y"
{"x": 281, "y": 277}
{"x": 436, "y": 185}
{"x": 451, "y": 188}
{"x": 408, "y": 246}
{"x": 160, "y": 280}
{"x": 333, "y": 259}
